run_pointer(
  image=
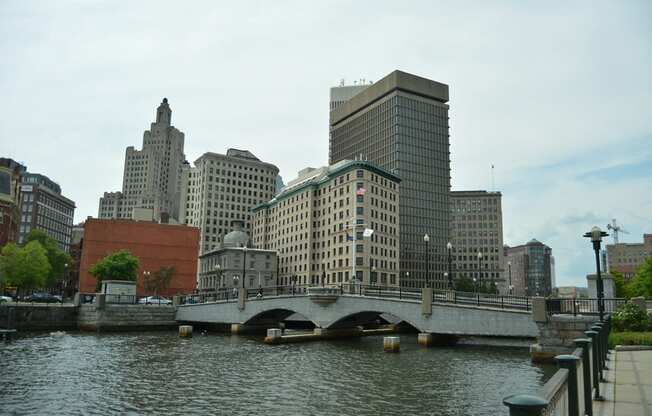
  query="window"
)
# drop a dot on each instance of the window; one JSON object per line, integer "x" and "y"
{"x": 359, "y": 174}
{"x": 359, "y": 210}
{"x": 358, "y": 262}
{"x": 359, "y": 248}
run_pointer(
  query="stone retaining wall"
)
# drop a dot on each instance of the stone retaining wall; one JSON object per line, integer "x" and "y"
{"x": 27, "y": 317}
{"x": 126, "y": 317}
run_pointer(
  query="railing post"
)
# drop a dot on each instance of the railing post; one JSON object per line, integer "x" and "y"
{"x": 478, "y": 295}
{"x": 585, "y": 344}
{"x": 595, "y": 367}
{"x": 569, "y": 362}
{"x": 525, "y": 405}
{"x": 400, "y": 292}
{"x": 602, "y": 350}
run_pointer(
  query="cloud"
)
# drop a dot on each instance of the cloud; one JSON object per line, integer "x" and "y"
{"x": 553, "y": 95}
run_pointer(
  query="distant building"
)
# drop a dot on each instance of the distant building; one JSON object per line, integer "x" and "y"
{"x": 401, "y": 124}
{"x": 224, "y": 267}
{"x": 155, "y": 245}
{"x": 152, "y": 176}
{"x": 223, "y": 188}
{"x": 477, "y": 227}
{"x": 343, "y": 93}
{"x": 334, "y": 223}
{"x": 529, "y": 269}
{"x": 626, "y": 258}
{"x": 10, "y": 194}
{"x": 44, "y": 208}
{"x": 71, "y": 281}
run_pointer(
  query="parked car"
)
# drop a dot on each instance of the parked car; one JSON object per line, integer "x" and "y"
{"x": 6, "y": 299}
{"x": 42, "y": 297}
{"x": 154, "y": 300}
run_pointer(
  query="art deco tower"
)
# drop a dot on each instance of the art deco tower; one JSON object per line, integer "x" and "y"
{"x": 152, "y": 176}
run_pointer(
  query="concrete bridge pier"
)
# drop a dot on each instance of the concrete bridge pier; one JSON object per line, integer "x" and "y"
{"x": 426, "y": 339}
{"x": 242, "y": 329}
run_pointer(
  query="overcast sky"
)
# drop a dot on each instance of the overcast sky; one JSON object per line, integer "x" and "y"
{"x": 557, "y": 95}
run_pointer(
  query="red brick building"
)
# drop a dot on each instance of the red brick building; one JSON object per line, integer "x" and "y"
{"x": 155, "y": 245}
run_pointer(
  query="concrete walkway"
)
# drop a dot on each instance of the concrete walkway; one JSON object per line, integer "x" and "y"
{"x": 628, "y": 391}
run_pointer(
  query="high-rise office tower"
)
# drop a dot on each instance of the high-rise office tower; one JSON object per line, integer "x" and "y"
{"x": 44, "y": 208}
{"x": 223, "y": 188}
{"x": 152, "y": 176}
{"x": 477, "y": 237}
{"x": 401, "y": 123}
{"x": 531, "y": 268}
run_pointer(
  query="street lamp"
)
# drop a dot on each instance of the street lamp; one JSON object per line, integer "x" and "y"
{"x": 374, "y": 276}
{"x": 509, "y": 271}
{"x": 480, "y": 268}
{"x": 323, "y": 274}
{"x": 426, "y": 239}
{"x": 475, "y": 287}
{"x": 596, "y": 235}
{"x": 244, "y": 264}
{"x": 449, "y": 247}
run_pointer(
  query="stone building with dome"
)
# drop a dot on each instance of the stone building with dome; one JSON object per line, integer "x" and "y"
{"x": 224, "y": 267}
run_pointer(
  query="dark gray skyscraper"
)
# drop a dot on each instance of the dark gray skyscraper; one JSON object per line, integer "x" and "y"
{"x": 401, "y": 124}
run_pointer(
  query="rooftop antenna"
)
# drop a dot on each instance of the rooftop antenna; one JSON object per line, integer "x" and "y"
{"x": 493, "y": 184}
{"x": 342, "y": 82}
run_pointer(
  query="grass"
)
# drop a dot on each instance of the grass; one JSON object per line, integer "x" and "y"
{"x": 630, "y": 338}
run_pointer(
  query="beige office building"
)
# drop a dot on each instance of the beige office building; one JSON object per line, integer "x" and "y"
{"x": 332, "y": 224}
{"x": 477, "y": 236}
{"x": 626, "y": 258}
{"x": 152, "y": 176}
{"x": 221, "y": 189}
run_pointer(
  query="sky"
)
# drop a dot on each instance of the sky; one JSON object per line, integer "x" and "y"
{"x": 556, "y": 95}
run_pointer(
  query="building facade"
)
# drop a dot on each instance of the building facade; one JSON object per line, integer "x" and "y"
{"x": 10, "y": 194}
{"x": 401, "y": 124}
{"x": 529, "y": 269}
{"x": 155, "y": 245}
{"x": 334, "y": 224}
{"x": 44, "y": 208}
{"x": 477, "y": 236}
{"x": 223, "y": 188}
{"x": 626, "y": 258}
{"x": 224, "y": 267}
{"x": 152, "y": 176}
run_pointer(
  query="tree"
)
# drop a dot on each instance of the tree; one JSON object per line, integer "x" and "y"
{"x": 464, "y": 284}
{"x": 641, "y": 283}
{"x": 160, "y": 279}
{"x": 622, "y": 289}
{"x": 57, "y": 258}
{"x": 119, "y": 265}
{"x": 24, "y": 267}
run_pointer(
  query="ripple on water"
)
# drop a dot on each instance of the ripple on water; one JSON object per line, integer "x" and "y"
{"x": 152, "y": 373}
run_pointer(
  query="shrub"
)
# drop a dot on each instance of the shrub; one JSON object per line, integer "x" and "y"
{"x": 630, "y": 317}
{"x": 630, "y": 338}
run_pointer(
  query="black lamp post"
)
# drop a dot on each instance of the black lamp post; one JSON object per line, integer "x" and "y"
{"x": 244, "y": 264}
{"x": 426, "y": 239}
{"x": 449, "y": 247}
{"x": 323, "y": 274}
{"x": 509, "y": 271}
{"x": 596, "y": 235}
{"x": 480, "y": 269}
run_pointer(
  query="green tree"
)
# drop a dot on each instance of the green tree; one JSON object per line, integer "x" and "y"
{"x": 641, "y": 283}
{"x": 622, "y": 289}
{"x": 24, "y": 267}
{"x": 119, "y": 265}
{"x": 464, "y": 284}
{"x": 57, "y": 258}
{"x": 160, "y": 280}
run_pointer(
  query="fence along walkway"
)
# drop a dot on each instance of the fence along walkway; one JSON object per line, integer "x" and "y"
{"x": 574, "y": 387}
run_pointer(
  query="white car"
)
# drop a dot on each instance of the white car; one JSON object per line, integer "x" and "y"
{"x": 4, "y": 299}
{"x": 155, "y": 300}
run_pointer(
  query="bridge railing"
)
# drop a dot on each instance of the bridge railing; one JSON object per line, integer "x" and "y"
{"x": 573, "y": 388}
{"x": 581, "y": 306}
{"x": 392, "y": 292}
{"x": 482, "y": 299}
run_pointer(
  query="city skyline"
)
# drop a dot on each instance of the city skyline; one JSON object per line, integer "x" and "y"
{"x": 565, "y": 130}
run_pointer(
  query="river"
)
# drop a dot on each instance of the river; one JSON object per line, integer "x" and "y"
{"x": 159, "y": 373}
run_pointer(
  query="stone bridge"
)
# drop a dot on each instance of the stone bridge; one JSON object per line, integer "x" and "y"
{"x": 334, "y": 310}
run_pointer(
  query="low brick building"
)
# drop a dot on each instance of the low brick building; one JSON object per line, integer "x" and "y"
{"x": 155, "y": 245}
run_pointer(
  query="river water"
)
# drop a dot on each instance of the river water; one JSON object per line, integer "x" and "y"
{"x": 159, "y": 373}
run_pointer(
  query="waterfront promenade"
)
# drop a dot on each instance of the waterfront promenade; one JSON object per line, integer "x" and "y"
{"x": 628, "y": 391}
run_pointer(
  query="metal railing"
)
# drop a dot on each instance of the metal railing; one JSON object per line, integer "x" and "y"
{"x": 482, "y": 299}
{"x": 573, "y": 388}
{"x": 114, "y": 299}
{"x": 581, "y": 306}
{"x": 392, "y": 292}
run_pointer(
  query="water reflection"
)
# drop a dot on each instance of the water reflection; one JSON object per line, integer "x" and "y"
{"x": 160, "y": 373}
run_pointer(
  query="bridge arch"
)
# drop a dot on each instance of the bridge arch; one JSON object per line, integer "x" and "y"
{"x": 275, "y": 315}
{"x": 366, "y": 316}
